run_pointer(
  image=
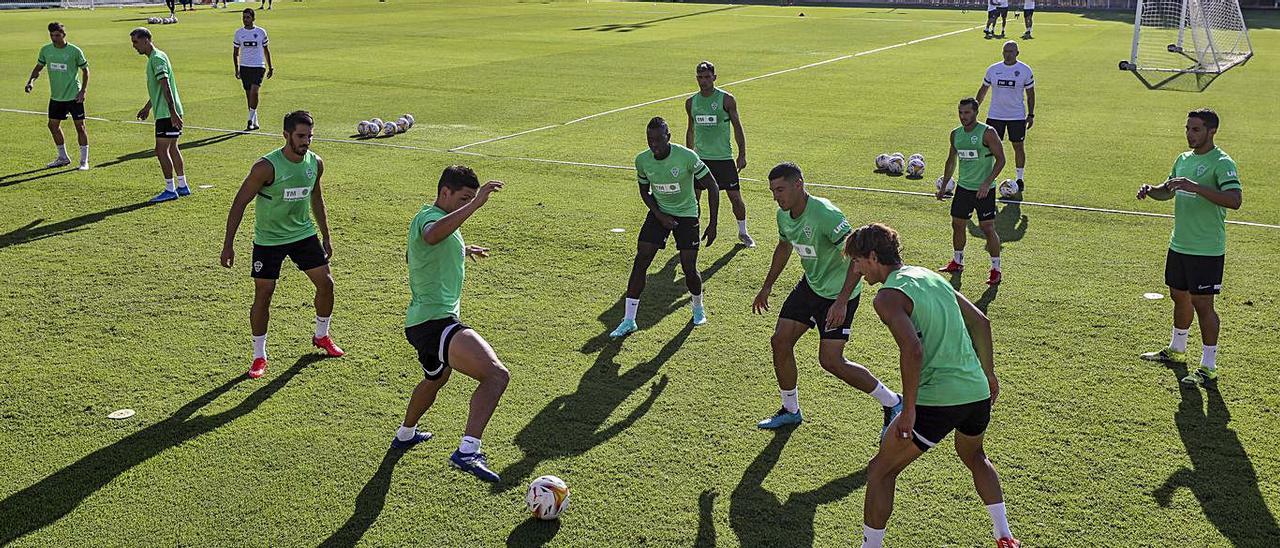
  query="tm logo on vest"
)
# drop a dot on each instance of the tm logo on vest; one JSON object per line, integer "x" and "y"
{"x": 667, "y": 189}
{"x": 805, "y": 251}
{"x": 967, "y": 154}
{"x": 60, "y": 67}
{"x": 705, "y": 119}
{"x": 295, "y": 194}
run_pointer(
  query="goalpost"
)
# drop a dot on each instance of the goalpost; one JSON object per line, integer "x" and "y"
{"x": 1188, "y": 36}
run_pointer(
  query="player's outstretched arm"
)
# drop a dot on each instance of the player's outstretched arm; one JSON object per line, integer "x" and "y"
{"x": 271, "y": 68}
{"x": 441, "y": 229}
{"x": 84, "y": 83}
{"x": 781, "y": 254}
{"x": 1031, "y": 107}
{"x": 949, "y": 168}
{"x": 318, "y": 209}
{"x": 893, "y": 307}
{"x": 35, "y": 73}
{"x": 259, "y": 175}
{"x": 979, "y": 328}
{"x": 1224, "y": 198}
{"x": 708, "y": 182}
{"x": 146, "y": 110}
{"x": 982, "y": 92}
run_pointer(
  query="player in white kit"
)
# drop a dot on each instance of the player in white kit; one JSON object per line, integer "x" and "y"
{"x": 252, "y": 60}
{"x": 1008, "y": 80}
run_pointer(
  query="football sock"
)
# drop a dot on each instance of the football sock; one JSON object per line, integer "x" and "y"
{"x": 632, "y": 306}
{"x": 696, "y": 300}
{"x": 888, "y": 398}
{"x": 62, "y": 152}
{"x": 1178, "y": 342}
{"x": 1020, "y": 171}
{"x": 742, "y": 227}
{"x": 84, "y": 154}
{"x": 872, "y": 538}
{"x": 959, "y": 256}
{"x": 322, "y": 326}
{"x": 791, "y": 399}
{"x": 469, "y": 445}
{"x": 999, "y": 523}
{"x": 1209, "y": 359}
{"x": 405, "y": 433}
{"x": 995, "y": 263}
{"x": 259, "y": 346}
{"x": 168, "y": 185}
{"x": 253, "y": 115}
{"x": 182, "y": 181}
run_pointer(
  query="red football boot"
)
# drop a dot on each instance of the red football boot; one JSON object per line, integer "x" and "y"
{"x": 952, "y": 267}
{"x": 258, "y": 369}
{"x": 326, "y": 343}
{"x": 994, "y": 279}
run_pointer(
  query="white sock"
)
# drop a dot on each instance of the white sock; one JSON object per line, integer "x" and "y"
{"x": 62, "y": 152}
{"x": 958, "y": 256}
{"x": 406, "y": 433}
{"x": 742, "y": 227}
{"x": 632, "y": 306}
{"x": 888, "y": 398}
{"x": 168, "y": 185}
{"x": 469, "y": 445}
{"x": 322, "y": 326}
{"x": 182, "y": 181}
{"x": 872, "y": 538}
{"x": 995, "y": 263}
{"x": 84, "y": 154}
{"x": 1178, "y": 342}
{"x": 259, "y": 346}
{"x": 1020, "y": 170}
{"x": 999, "y": 523}
{"x": 253, "y": 115}
{"x": 791, "y": 399}
{"x": 696, "y": 300}
{"x": 1209, "y": 359}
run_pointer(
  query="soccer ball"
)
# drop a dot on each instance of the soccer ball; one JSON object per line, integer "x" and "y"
{"x": 915, "y": 166}
{"x": 362, "y": 128}
{"x": 916, "y": 156}
{"x": 945, "y": 187}
{"x": 548, "y": 496}
{"x": 389, "y": 128}
{"x": 882, "y": 161}
{"x": 898, "y": 155}
{"x": 1008, "y": 188}
{"x": 377, "y": 125}
{"x": 402, "y": 125}
{"x": 153, "y": 20}
{"x": 895, "y": 165}
{"x": 409, "y": 117}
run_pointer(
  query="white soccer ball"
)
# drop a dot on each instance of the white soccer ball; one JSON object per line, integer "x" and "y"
{"x": 915, "y": 167}
{"x": 153, "y": 20}
{"x": 402, "y": 125}
{"x": 548, "y": 496}
{"x": 362, "y": 128}
{"x": 895, "y": 165}
{"x": 882, "y": 161}
{"x": 899, "y": 156}
{"x": 377, "y": 123}
{"x": 946, "y": 187}
{"x": 1008, "y": 188}
{"x": 916, "y": 156}
{"x": 409, "y": 117}
{"x": 389, "y": 128}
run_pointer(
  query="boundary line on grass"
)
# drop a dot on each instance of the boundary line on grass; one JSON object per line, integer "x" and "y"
{"x": 745, "y": 80}
{"x": 369, "y": 142}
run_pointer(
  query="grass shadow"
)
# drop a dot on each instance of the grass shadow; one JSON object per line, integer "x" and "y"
{"x": 533, "y": 533}
{"x": 987, "y": 297}
{"x": 369, "y": 504}
{"x": 1222, "y": 477}
{"x": 6, "y": 181}
{"x": 151, "y": 152}
{"x": 628, "y": 27}
{"x": 57, "y": 495}
{"x": 33, "y": 231}
{"x": 1011, "y": 224}
{"x": 761, "y": 518}
{"x": 573, "y": 424}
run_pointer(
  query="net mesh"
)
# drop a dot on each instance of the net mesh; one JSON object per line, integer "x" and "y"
{"x": 1199, "y": 36}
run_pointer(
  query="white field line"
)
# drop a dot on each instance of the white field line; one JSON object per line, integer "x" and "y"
{"x": 745, "y": 80}
{"x": 809, "y": 16}
{"x": 630, "y": 168}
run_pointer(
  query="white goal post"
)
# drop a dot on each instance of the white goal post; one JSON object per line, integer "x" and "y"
{"x": 1188, "y": 36}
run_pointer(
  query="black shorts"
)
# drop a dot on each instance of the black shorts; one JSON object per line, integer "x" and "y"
{"x": 934, "y": 422}
{"x": 165, "y": 129}
{"x": 1028, "y": 13}
{"x": 307, "y": 253}
{"x": 252, "y": 76}
{"x": 1196, "y": 274}
{"x": 809, "y": 308}
{"x": 725, "y": 173}
{"x": 1017, "y": 129}
{"x": 966, "y": 201}
{"x": 431, "y": 339}
{"x": 686, "y": 231}
{"x": 1003, "y": 12}
{"x": 58, "y": 110}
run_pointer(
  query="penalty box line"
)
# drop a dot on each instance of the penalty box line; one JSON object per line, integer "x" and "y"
{"x": 743, "y": 81}
{"x": 369, "y": 142}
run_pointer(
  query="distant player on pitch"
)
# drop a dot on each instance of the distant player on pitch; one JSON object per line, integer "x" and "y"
{"x": 66, "y": 92}
{"x": 711, "y": 112}
{"x": 167, "y": 108}
{"x": 976, "y": 148}
{"x": 252, "y": 60}
{"x": 1008, "y": 80}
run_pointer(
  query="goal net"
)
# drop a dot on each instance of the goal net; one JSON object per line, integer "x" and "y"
{"x": 1188, "y": 36}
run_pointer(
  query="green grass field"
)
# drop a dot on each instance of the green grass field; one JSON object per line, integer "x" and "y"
{"x": 108, "y": 304}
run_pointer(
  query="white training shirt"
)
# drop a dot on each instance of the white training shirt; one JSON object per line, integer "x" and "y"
{"x": 997, "y": 4}
{"x": 1007, "y": 84}
{"x": 251, "y": 41}
{"x": 1029, "y": 5}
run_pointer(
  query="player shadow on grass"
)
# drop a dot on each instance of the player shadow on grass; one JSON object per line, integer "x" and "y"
{"x": 57, "y": 495}
{"x": 573, "y": 424}
{"x": 32, "y": 231}
{"x": 1011, "y": 224}
{"x": 187, "y": 145}
{"x": 759, "y": 517}
{"x": 1222, "y": 478}
{"x": 628, "y": 27}
{"x": 369, "y": 504}
{"x": 533, "y": 533}
{"x": 8, "y": 180}
{"x": 659, "y": 300}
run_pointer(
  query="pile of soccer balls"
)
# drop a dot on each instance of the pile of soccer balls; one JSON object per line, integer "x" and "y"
{"x": 895, "y": 164}
{"x": 375, "y": 127}
{"x": 547, "y": 497}
{"x": 162, "y": 20}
